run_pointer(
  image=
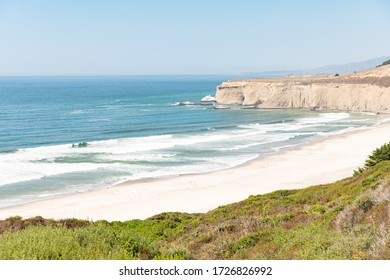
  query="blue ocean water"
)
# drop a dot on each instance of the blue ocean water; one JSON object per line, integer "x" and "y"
{"x": 134, "y": 128}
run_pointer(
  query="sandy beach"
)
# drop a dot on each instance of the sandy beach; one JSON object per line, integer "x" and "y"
{"x": 321, "y": 161}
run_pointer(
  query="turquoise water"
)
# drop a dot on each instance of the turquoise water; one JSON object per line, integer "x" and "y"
{"x": 134, "y": 129}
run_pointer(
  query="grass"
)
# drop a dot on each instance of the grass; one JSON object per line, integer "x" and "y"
{"x": 348, "y": 219}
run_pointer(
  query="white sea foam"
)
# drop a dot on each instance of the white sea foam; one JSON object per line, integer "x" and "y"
{"x": 208, "y": 98}
{"x": 27, "y": 168}
{"x": 383, "y": 120}
{"x": 155, "y": 156}
{"x": 368, "y": 113}
{"x": 324, "y": 118}
{"x": 185, "y": 103}
{"x": 240, "y": 147}
{"x": 40, "y": 162}
{"x": 307, "y": 122}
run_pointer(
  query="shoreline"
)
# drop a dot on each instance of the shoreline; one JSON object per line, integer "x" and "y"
{"x": 320, "y": 161}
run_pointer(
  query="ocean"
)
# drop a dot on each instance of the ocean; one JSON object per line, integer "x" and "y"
{"x": 63, "y": 135}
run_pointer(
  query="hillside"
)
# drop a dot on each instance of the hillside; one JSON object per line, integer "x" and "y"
{"x": 387, "y": 62}
{"x": 349, "y": 219}
{"x": 367, "y": 91}
{"x": 348, "y": 67}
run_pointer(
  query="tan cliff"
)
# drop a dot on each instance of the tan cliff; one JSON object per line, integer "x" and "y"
{"x": 367, "y": 91}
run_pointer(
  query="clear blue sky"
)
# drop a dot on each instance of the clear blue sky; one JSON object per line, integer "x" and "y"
{"x": 187, "y": 37}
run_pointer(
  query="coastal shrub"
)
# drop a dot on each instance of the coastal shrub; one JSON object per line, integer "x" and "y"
{"x": 95, "y": 241}
{"x": 365, "y": 204}
{"x": 382, "y": 193}
{"x": 15, "y": 223}
{"x": 247, "y": 242}
{"x": 378, "y": 155}
{"x": 173, "y": 254}
{"x": 317, "y": 209}
{"x": 358, "y": 171}
{"x": 355, "y": 212}
{"x": 169, "y": 257}
{"x": 73, "y": 223}
{"x": 36, "y": 221}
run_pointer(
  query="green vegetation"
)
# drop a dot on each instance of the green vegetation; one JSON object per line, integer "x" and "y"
{"x": 39, "y": 238}
{"x": 348, "y": 219}
{"x": 378, "y": 155}
{"x": 337, "y": 74}
{"x": 387, "y": 62}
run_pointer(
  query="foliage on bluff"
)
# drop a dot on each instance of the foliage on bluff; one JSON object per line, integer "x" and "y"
{"x": 387, "y": 62}
{"x": 378, "y": 155}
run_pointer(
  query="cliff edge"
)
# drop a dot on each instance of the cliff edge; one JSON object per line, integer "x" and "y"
{"x": 367, "y": 91}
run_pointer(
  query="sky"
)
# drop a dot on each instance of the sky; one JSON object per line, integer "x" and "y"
{"x": 150, "y": 37}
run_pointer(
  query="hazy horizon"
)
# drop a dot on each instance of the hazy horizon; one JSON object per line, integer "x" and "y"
{"x": 139, "y": 38}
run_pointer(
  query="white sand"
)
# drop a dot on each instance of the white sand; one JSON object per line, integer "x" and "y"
{"x": 323, "y": 161}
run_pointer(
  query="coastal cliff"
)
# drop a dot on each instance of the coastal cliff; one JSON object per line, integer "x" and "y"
{"x": 367, "y": 91}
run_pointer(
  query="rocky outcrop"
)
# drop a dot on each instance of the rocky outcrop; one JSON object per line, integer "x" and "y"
{"x": 367, "y": 91}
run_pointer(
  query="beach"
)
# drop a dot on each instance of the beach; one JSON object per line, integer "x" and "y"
{"x": 321, "y": 161}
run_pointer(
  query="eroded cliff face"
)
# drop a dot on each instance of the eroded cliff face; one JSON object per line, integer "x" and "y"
{"x": 367, "y": 91}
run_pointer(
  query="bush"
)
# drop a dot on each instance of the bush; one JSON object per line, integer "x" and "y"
{"x": 380, "y": 154}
